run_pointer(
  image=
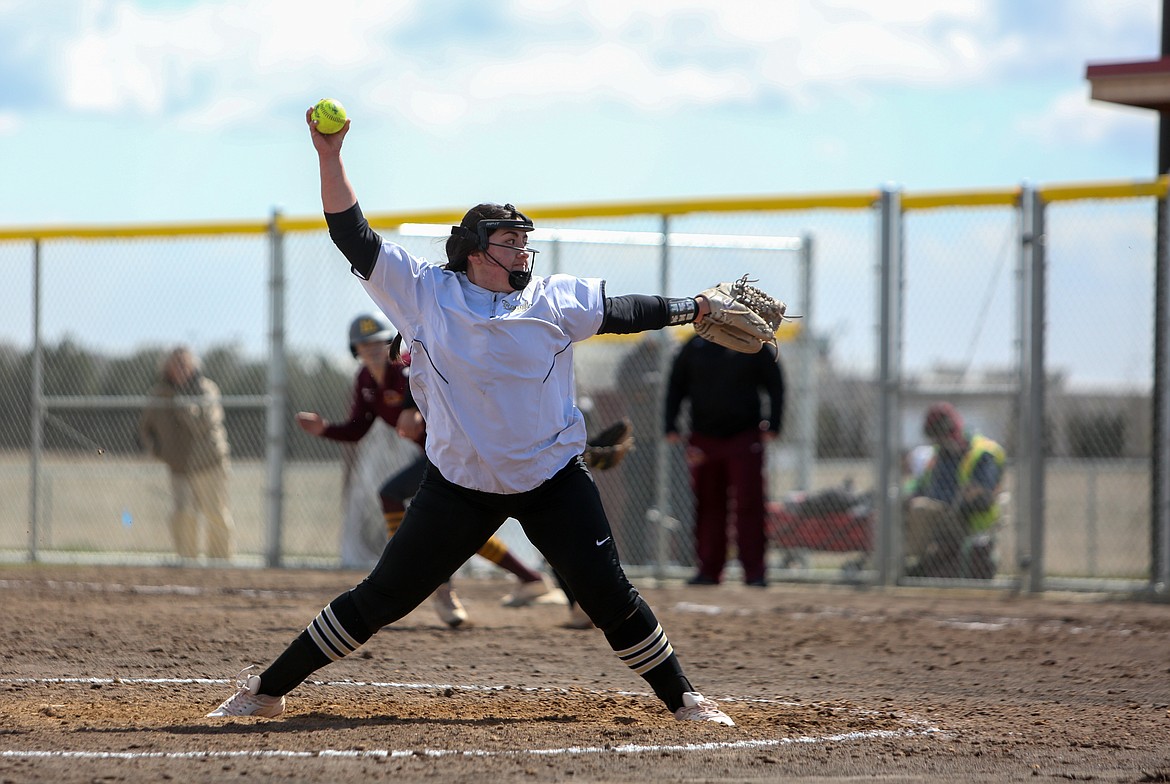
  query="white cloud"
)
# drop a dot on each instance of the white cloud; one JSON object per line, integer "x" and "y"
{"x": 221, "y": 113}
{"x": 118, "y": 56}
{"x": 1119, "y": 23}
{"x": 609, "y": 71}
{"x": 428, "y": 105}
{"x": 862, "y": 51}
{"x": 1072, "y": 117}
{"x": 913, "y": 12}
{"x": 122, "y": 55}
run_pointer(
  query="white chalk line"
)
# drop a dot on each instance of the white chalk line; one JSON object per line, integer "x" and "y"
{"x": 378, "y": 685}
{"x": 629, "y": 748}
{"x": 982, "y": 627}
{"x": 920, "y": 729}
{"x": 148, "y": 590}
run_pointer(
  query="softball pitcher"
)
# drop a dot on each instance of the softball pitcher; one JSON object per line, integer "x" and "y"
{"x": 491, "y": 349}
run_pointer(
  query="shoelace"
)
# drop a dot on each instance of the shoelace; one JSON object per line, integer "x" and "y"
{"x": 706, "y": 707}
{"x": 242, "y": 677}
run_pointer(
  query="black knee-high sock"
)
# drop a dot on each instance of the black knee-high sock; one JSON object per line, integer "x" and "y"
{"x": 337, "y": 631}
{"x": 640, "y": 642}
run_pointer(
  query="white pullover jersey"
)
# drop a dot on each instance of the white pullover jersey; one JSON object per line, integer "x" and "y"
{"x": 492, "y": 373}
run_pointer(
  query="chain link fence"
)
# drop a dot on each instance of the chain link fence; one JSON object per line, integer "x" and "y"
{"x": 947, "y": 316}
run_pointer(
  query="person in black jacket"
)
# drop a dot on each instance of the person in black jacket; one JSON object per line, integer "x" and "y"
{"x": 726, "y": 448}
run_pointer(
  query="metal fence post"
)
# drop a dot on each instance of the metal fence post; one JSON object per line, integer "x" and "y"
{"x": 37, "y": 398}
{"x": 662, "y": 513}
{"x": 887, "y": 485}
{"x": 806, "y": 383}
{"x": 1023, "y": 490}
{"x": 277, "y": 393}
{"x": 1160, "y": 456}
{"x": 1032, "y": 389}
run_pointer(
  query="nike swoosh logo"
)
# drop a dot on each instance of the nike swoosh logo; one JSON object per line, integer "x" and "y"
{"x": 603, "y": 541}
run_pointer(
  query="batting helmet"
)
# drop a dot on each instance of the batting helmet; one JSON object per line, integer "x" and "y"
{"x": 368, "y": 329}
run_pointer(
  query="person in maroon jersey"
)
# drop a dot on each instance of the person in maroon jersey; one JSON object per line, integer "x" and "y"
{"x": 382, "y": 390}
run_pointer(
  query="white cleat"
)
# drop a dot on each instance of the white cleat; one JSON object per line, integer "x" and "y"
{"x": 577, "y": 618}
{"x": 247, "y": 701}
{"x": 448, "y": 606}
{"x": 540, "y": 591}
{"x": 696, "y": 707}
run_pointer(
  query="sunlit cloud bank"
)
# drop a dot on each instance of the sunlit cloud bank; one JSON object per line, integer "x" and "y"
{"x": 439, "y": 62}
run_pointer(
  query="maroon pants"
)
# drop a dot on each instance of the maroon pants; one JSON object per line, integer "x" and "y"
{"x": 727, "y": 475}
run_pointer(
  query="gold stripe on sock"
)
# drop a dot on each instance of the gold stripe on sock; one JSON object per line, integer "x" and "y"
{"x": 393, "y": 520}
{"x": 494, "y": 550}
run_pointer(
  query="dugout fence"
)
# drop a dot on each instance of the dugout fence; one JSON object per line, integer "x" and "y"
{"x": 978, "y": 298}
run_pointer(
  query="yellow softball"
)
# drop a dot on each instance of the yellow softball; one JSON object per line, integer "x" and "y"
{"x": 329, "y": 115}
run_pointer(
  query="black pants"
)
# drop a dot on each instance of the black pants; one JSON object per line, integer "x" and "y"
{"x": 445, "y": 525}
{"x": 396, "y": 490}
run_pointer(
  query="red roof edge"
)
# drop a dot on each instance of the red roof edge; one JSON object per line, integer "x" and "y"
{"x": 1144, "y": 67}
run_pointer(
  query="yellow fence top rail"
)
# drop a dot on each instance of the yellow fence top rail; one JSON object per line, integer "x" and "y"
{"x": 134, "y": 230}
{"x": 1005, "y": 197}
{"x": 617, "y": 209}
{"x": 1105, "y": 190}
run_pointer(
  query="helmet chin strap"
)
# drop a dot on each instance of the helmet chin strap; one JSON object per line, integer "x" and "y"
{"x": 517, "y": 279}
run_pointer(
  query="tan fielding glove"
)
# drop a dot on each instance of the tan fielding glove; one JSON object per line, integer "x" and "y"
{"x": 742, "y": 316}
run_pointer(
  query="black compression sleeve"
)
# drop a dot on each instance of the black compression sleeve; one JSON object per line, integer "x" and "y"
{"x": 640, "y": 312}
{"x": 352, "y": 235}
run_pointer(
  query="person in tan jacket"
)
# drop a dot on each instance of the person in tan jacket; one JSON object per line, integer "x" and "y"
{"x": 183, "y": 426}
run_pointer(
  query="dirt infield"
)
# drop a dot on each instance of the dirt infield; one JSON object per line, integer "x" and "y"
{"x": 107, "y": 674}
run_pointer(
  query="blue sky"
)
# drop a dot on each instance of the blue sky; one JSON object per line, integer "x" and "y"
{"x": 133, "y": 110}
{"x": 128, "y": 111}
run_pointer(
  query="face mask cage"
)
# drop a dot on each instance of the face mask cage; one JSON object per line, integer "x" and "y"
{"x": 488, "y": 226}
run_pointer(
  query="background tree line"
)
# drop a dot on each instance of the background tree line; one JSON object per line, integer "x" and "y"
{"x": 316, "y": 384}
{"x": 70, "y": 370}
